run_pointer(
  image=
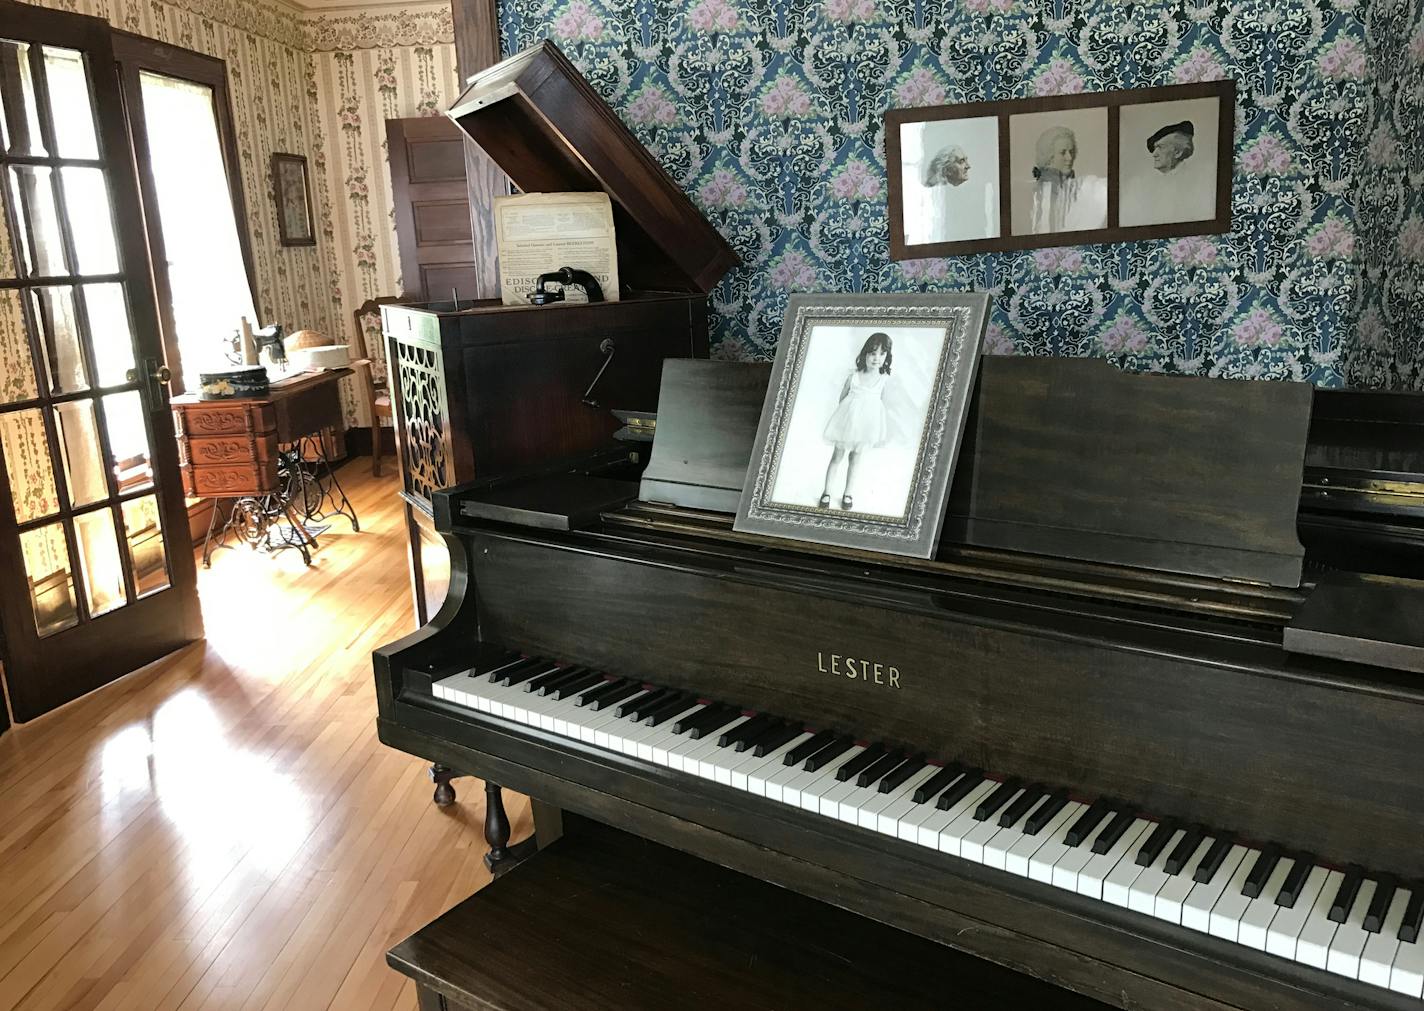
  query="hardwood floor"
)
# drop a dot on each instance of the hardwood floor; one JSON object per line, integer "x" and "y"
{"x": 222, "y": 829}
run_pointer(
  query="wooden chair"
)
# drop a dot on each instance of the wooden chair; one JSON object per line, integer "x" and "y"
{"x": 367, "y": 318}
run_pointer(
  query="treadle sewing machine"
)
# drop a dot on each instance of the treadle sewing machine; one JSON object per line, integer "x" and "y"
{"x": 1147, "y": 726}
{"x": 1123, "y": 733}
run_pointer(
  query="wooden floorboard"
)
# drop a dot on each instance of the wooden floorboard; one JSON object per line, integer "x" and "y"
{"x": 222, "y": 829}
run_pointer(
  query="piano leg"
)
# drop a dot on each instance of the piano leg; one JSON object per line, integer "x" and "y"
{"x": 441, "y": 775}
{"x": 502, "y": 856}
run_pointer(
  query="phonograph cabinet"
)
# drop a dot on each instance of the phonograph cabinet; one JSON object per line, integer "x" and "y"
{"x": 481, "y": 389}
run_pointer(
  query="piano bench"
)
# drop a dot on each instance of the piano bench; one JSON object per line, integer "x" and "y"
{"x": 604, "y": 919}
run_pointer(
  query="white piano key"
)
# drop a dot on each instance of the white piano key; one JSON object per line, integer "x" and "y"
{"x": 1066, "y": 868}
{"x": 1287, "y": 924}
{"x": 831, "y": 799}
{"x": 656, "y": 744}
{"x": 870, "y": 810}
{"x": 633, "y": 740}
{"x": 888, "y": 820}
{"x": 1407, "y": 974}
{"x": 935, "y": 825}
{"x": 971, "y": 847}
{"x": 777, "y": 780}
{"x": 962, "y": 821}
{"x": 1312, "y": 947}
{"x": 1350, "y": 938}
{"x": 725, "y": 762}
{"x": 1118, "y": 883}
{"x": 664, "y": 746}
{"x": 1097, "y": 869}
{"x": 1226, "y": 914}
{"x": 595, "y": 721}
{"x": 1256, "y": 921}
{"x": 813, "y": 798}
{"x": 791, "y": 793}
{"x": 707, "y": 762}
{"x": 680, "y": 748}
{"x": 1196, "y": 911}
{"x": 852, "y": 802}
{"x": 1168, "y": 904}
{"x": 1020, "y": 859}
{"x": 1142, "y": 894}
{"x": 772, "y": 765}
{"x": 556, "y": 717}
{"x": 610, "y": 734}
{"x": 1381, "y": 948}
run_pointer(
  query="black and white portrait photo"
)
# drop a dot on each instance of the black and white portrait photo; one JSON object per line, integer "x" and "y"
{"x": 1058, "y": 164}
{"x": 949, "y": 174}
{"x": 1168, "y": 162}
{"x": 867, "y": 396}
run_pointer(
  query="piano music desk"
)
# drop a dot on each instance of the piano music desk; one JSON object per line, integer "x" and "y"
{"x": 604, "y": 919}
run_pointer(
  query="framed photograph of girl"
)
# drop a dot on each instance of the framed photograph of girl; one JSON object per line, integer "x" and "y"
{"x": 863, "y": 419}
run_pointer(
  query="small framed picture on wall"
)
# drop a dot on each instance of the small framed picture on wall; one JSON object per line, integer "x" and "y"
{"x": 1110, "y": 166}
{"x": 291, "y": 189}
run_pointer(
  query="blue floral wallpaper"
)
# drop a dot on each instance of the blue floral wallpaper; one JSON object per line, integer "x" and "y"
{"x": 771, "y": 116}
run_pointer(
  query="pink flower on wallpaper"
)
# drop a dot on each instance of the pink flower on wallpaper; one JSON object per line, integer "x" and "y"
{"x": 848, "y": 11}
{"x": 919, "y": 87}
{"x": 1200, "y": 65}
{"x": 996, "y": 342}
{"x": 1058, "y": 78}
{"x": 1411, "y": 240}
{"x": 1124, "y": 335}
{"x": 924, "y": 270}
{"x": 722, "y": 189}
{"x": 578, "y": 22}
{"x": 989, "y": 6}
{"x": 1267, "y": 156}
{"x": 713, "y": 16}
{"x": 1333, "y": 239}
{"x": 793, "y": 272}
{"x": 785, "y": 98}
{"x": 1193, "y": 251}
{"x": 1060, "y": 260}
{"x": 651, "y": 106}
{"x": 1344, "y": 60}
{"x": 1259, "y": 327}
{"x": 855, "y": 182}
{"x": 350, "y": 118}
{"x": 1383, "y": 148}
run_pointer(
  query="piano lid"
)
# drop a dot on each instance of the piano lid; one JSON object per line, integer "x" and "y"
{"x": 541, "y": 122}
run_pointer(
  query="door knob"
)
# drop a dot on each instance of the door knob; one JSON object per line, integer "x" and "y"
{"x": 160, "y": 373}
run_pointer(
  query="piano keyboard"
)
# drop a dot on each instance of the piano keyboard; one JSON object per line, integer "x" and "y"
{"x": 1359, "y": 925}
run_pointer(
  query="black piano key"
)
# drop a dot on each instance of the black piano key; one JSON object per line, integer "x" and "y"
{"x": 1261, "y": 871}
{"x": 881, "y": 767}
{"x": 1033, "y": 793}
{"x": 673, "y": 701}
{"x": 528, "y": 673}
{"x": 860, "y": 762}
{"x": 632, "y": 707}
{"x": 1379, "y": 903}
{"x": 904, "y": 771}
{"x": 661, "y": 714}
{"x": 564, "y": 676}
{"x": 808, "y": 747}
{"x": 756, "y": 725}
{"x": 1211, "y": 863}
{"x": 962, "y": 788}
{"x": 1108, "y": 837}
{"x": 598, "y": 691}
{"x": 1295, "y": 880}
{"x": 1345, "y": 896}
{"x": 503, "y": 675}
{"x": 713, "y": 724}
{"x": 769, "y": 731}
{"x": 495, "y": 670}
{"x": 830, "y": 753}
{"x": 1182, "y": 852}
{"x": 1046, "y": 812}
{"x": 770, "y": 742}
{"x": 701, "y": 719}
{"x": 540, "y": 680}
{"x": 1413, "y": 922}
{"x": 578, "y": 685}
{"x": 618, "y": 695}
{"x": 927, "y": 790}
{"x": 997, "y": 799}
{"x": 1156, "y": 842}
{"x": 1090, "y": 819}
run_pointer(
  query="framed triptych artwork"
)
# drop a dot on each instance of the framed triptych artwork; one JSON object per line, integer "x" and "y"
{"x": 1062, "y": 170}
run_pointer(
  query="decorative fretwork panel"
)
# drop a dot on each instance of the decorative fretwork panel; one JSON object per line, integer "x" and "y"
{"x": 424, "y": 419}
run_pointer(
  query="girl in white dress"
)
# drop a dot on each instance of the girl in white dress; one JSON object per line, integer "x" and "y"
{"x": 860, "y": 421}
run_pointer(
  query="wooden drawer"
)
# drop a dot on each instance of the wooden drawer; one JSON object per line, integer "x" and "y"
{"x": 219, "y": 418}
{"x": 251, "y": 478}
{"x": 209, "y": 451}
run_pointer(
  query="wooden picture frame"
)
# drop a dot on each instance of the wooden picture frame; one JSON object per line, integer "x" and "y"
{"x": 1117, "y": 145}
{"x": 863, "y": 419}
{"x": 291, "y": 192}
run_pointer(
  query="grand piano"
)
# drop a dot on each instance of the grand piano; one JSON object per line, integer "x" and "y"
{"x": 1148, "y": 726}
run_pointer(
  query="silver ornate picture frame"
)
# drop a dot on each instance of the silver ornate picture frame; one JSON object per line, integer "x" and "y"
{"x": 863, "y": 420}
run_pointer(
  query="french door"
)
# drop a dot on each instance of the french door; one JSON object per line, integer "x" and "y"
{"x": 96, "y": 572}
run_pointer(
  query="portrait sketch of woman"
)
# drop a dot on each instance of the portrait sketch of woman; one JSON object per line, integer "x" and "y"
{"x": 949, "y": 178}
